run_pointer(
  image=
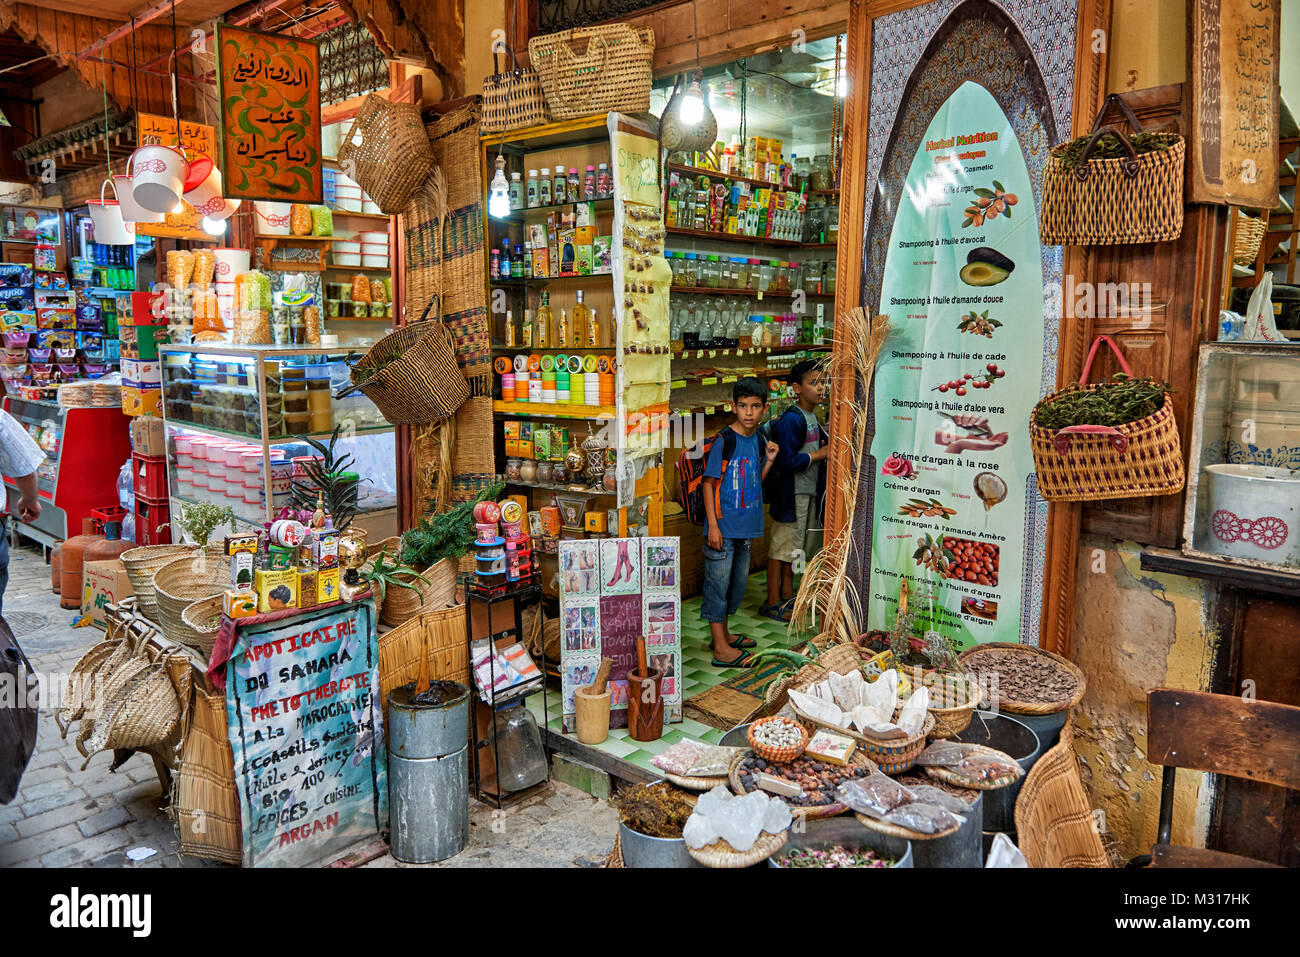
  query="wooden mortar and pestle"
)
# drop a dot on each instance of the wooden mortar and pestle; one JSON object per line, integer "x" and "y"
{"x": 645, "y": 703}
{"x": 592, "y": 706}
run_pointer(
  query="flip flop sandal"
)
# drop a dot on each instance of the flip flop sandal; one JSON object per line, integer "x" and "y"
{"x": 775, "y": 612}
{"x": 746, "y": 660}
{"x": 742, "y": 642}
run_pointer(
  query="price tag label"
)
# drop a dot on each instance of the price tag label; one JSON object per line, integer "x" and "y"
{"x": 713, "y": 353}
{"x": 708, "y": 410}
{"x": 729, "y": 378}
{"x": 709, "y": 380}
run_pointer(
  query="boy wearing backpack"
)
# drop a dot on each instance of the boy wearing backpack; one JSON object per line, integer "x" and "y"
{"x": 797, "y": 486}
{"x": 735, "y": 466}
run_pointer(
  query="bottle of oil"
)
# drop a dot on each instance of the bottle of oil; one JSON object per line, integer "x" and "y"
{"x": 593, "y": 336}
{"x": 542, "y": 334}
{"x": 581, "y": 330}
{"x": 562, "y": 332}
{"x": 528, "y": 327}
{"x": 510, "y": 329}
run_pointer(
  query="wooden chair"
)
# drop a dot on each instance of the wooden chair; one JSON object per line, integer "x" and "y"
{"x": 1055, "y": 826}
{"x": 1224, "y": 734}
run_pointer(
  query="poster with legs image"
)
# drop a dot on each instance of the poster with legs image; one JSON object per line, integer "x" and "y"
{"x": 661, "y": 565}
{"x": 620, "y": 566}
{"x": 579, "y": 568}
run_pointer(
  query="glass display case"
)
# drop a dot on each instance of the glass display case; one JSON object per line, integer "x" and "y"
{"x": 1243, "y": 487}
{"x": 237, "y": 419}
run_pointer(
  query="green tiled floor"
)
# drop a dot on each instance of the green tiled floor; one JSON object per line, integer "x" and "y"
{"x": 697, "y": 675}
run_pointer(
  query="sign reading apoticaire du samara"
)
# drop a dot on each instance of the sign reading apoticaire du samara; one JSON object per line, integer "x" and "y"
{"x": 269, "y": 88}
{"x": 153, "y": 130}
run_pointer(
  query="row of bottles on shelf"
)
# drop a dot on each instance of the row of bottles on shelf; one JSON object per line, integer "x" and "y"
{"x": 580, "y": 327}
{"x": 763, "y": 158}
{"x": 734, "y": 207}
{"x": 543, "y": 189}
{"x": 702, "y": 322}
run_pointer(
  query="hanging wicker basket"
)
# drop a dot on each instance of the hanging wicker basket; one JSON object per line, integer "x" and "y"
{"x": 388, "y": 150}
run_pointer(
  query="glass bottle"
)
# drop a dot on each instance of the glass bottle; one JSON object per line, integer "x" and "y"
{"x": 494, "y": 264}
{"x": 604, "y": 182}
{"x": 521, "y": 762}
{"x": 593, "y": 334}
{"x": 542, "y": 334}
{"x": 528, "y": 328}
{"x": 532, "y": 192}
{"x": 544, "y": 190}
{"x": 581, "y": 332}
{"x": 510, "y": 329}
{"x": 828, "y": 285}
{"x": 562, "y": 339}
{"x": 560, "y": 187}
{"x": 589, "y": 184}
{"x": 574, "y": 185}
{"x": 516, "y": 190}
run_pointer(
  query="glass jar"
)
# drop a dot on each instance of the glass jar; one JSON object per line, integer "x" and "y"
{"x": 521, "y": 762}
{"x": 691, "y": 271}
{"x": 796, "y": 276}
{"x": 828, "y": 284}
{"x": 711, "y": 274}
{"x": 513, "y": 469}
{"x": 527, "y": 470}
{"x": 545, "y": 473}
{"x": 832, "y": 223}
{"x": 812, "y": 276}
{"x": 559, "y": 473}
{"x": 765, "y": 275}
{"x": 752, "y": 274}
{"x": 802, "y": 171}
{"x": 781, "y": 273}
{"x": 821, "y": 173}
{"x": 734, "y": 266}
{"x": 675, "y": 264}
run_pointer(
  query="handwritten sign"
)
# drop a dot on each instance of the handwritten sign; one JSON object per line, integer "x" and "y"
{"x": 153, "y": 130}
{"x": 269, "y": 89}
{"x": 1234, "y": 131}
{"x": 307, "y": 735}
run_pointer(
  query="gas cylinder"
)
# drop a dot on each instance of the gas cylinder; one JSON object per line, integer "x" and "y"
{"x": 55, "y": 584}
{"x": 70, "y": 564}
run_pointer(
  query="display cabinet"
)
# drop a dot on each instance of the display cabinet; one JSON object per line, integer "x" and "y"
{"x": 1243, "y": 501}
{"x": 237, "y": 417}
{"x": 84, "y": 450}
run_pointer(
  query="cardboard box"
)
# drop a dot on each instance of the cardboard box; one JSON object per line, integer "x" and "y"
{"x": 583, "y": 259}
{"x": 103, "y": 583}
{"x": 276, "y": 590}
{"x": 239, "y": 604}
{"x": 597, "y": 522}
{"x": 327, "y": 585}
{"x": 137, "y": 400}
{"x": 584, "y": 235}
{"x": 325, "y": 550}
{"x": 147, "y": 372}
{"x": 307, "y": 587}
{"x": 148, "y": 436}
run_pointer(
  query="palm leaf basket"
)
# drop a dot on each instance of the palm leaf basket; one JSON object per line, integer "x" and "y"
{"x": 403, "y": 604}
{"x": 181, "y": 583}
{"x": 955, "y": 699}
{"x": 721, "y": 854}
{"x": 203, "y": 618}
{"x": 141, "y": 564}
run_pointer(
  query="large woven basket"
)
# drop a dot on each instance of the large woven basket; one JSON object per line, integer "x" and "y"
{"x": 403, "y": 604}
{"x": 595, "y": 69}
{"x": 1136, "y": 199}
{"x": 841, "y": 659}
{"x": 389, "y": 152}
{"x": 203, "y": 618}
{"x": 205, "y": 797}
{"x": 512, "y": 98}
{"x": 1055, "y": 822}
{"x": 141, "y": 563}
{"x": 181, "y": 583}
{"x": 143, "y": 713}
{"x": 1087, "y": 463}
{"x": 411, "y": 374}
{"x": 1010, "y": 648}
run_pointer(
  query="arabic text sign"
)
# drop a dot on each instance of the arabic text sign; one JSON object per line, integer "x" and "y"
{"x": 307, "y": 735}
{"x": 154, "y": 130}
{"x": 269, "y": 87}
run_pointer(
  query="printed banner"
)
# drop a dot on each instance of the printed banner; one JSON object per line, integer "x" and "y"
{"x": 307, "y": 735}
{"x": 154, "y": 130}
{"x": 269, "y": 88}
{"x": 959, "y": 376}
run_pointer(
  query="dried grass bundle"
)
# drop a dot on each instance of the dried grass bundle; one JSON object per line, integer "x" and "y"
{"x": 826, "y": 585}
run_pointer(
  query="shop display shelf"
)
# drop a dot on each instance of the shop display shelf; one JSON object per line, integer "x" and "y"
{"x": 714, "y": 174}
{"x": 546, "y": 410}
{"x": 290, "y": 237}
{"x": 739, "y": 353}
{"x": 749, "y": 293}
{"x": 543, "y": 280}
{"x": 329, "y": 267}
{"x": 376, "y": 217}
{"x": 737, "y": 238}
{"x": 588, "y": 130}
{"x": 276, "y": 440}
{"x": 512, "y": 350}
{"x": 834, "y": 245}
{"x": 518, "y": 216}
{"x": 563, "y": 489}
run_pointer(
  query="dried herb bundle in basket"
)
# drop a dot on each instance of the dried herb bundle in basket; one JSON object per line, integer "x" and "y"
{"x": 655, "y": 810}
{"x": 1110, "y": 148}
{"x": 1121, "y": 400}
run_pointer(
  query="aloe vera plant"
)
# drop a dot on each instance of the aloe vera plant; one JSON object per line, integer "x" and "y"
{"x": 382, "y": 573}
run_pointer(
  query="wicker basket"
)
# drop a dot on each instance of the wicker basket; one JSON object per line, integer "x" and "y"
{"x": 389, "y": 152}
{"x": 595, "y": 69}
{"x": 841, "y": 659}
{"x": 1013, "y": 706}
{"x": 1055, "y": 822}
{"x": 143, "y": 712}
{"x": 812, "y": 812}
{"x": 181, "y": 583}
{"x": 141, "y": 563}
{"x": 205, "y": 798}
{"x": 512, "y": 98}
{"x": 721, "y": 854}
{"x": 1088, "y": 463}
{"x": 893, "y": 830}
{"x": 1247, "y": 239}
{"x": 411, "y": 374}
{"x": 403, "y": 604}
{"x": 203, "y": 618}
{"x": 957, "y": 779}
{"x": 959, "y": 696}
{"x": 777, "y": 755}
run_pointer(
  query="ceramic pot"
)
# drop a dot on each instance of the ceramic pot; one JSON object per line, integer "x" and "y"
{"x": 1254, "y": 513}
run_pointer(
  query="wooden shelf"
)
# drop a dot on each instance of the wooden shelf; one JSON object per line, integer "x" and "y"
{"x": 497, "y": 347}
{"x": 547, "y": 410}
{"x": 378, "y": 217}
{"x": 545, "y": 279}
{"x": 330, "y": 266}
{"x": 517, "y": 216}
{"x": 736, "y": 238}
{"x": 296, "y": 239}
{"x": 750, "y": 293}
{"x": 589, "y": 129}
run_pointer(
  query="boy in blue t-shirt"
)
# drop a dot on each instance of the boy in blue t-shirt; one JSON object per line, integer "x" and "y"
{"x": 733, "y": 504}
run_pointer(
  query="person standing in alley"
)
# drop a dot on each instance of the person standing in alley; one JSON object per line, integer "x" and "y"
{"x": 20, "y": 456}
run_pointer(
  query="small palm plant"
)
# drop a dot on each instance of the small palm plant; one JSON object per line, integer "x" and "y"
{"x": 327, "y": 481}
{"x": 381, "y": 574}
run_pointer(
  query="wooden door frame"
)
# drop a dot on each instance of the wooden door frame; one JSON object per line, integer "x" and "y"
{"x": 1089, "y": 92}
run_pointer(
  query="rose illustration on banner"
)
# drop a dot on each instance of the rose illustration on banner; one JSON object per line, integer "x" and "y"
{"x": 899, "y": 467}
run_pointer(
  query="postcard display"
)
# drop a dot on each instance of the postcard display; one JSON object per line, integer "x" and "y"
{"x": 613, "y": 590}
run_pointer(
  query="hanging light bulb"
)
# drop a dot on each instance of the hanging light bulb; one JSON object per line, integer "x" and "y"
{"x": 499, "y": 192}
{"x": 691, "y": 109}
{"x": 213, "y": 227}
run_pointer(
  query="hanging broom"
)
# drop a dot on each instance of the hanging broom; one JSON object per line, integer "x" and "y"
{"x": 826, "y": 586}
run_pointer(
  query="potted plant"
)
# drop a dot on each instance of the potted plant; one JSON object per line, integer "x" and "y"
{"x": 199, "y": 520}
{"x": 329, "y": 481}
{"x": 381, "y": 574}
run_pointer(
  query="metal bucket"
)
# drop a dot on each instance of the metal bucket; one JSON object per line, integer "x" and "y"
{"x": 640, "y": 850}
{"x": 849, "y": 832}
{"x": 963, "y": 849}
{"x": 428, "y": 774}
{"x": 737, "y": 737}
{"x": 1046, "y": 726}
{"x": 1015, "y": 738}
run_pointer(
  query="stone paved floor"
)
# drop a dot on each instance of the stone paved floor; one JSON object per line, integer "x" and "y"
{"x": 64, "y": 816}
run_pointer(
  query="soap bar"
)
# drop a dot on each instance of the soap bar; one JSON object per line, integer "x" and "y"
{"x": 238, "y": 604}
{"x": 778, "y": 786}
{"x": 830, "y": 747}
{"x": 276, "y": 589}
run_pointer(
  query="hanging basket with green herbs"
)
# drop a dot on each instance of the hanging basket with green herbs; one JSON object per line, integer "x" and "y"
{"x": 1107, "y": 440}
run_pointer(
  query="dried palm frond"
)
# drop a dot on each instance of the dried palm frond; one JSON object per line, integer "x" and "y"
{"x": 826, "y": 585}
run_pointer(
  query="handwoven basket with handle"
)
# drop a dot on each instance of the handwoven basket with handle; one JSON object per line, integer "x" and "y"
{"x": 181, "y": 583}
{"x": 595, "y": 69}
{"x": 1082, "y": 463}
{"x": 513, "y": 98}
{"x": 141, "y": 564}
{"x": 388, "y": 152}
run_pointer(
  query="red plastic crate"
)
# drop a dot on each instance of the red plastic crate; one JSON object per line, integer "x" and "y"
{"x": 109, "y": 513}
{"x": 150, "y": 514}
{"x": 149, "y": 475}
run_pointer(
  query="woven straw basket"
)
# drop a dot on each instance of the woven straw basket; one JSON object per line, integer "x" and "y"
{"x": 513, "y": 98}
{"x": 203, "y": 619}
{"x": 721, "y": 854}
{"x": 411, "y": 374}
{"x": 595, "y": 69}
{"x": 1098, "y": 202}
{"x": 181, "y": 583}
{"x": 1011, "y": 705}
{"x": 1247, "y": 238}
{"x": 958, "y": 696}
{"x": 389, "y": 151}
{"x": 141, "y": 564}
{"x": 1087, "y": 463}
{"x": 403, "y": 604}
